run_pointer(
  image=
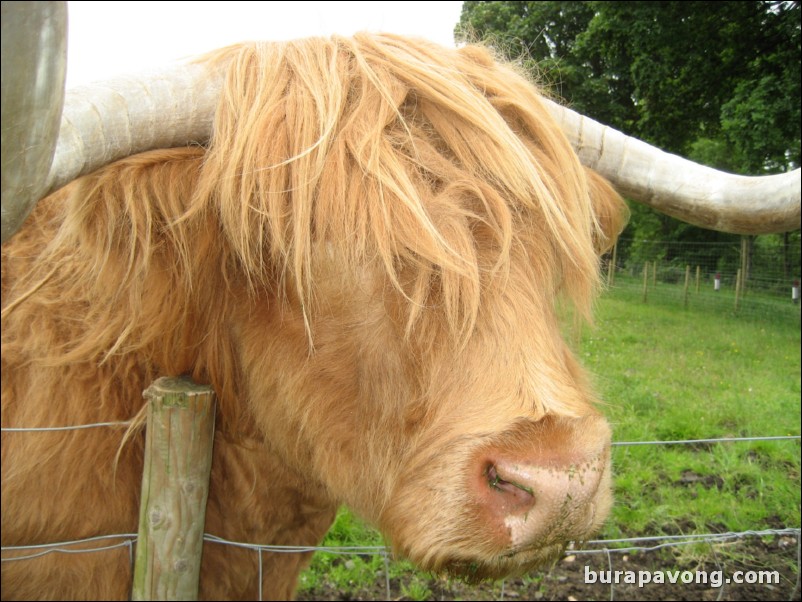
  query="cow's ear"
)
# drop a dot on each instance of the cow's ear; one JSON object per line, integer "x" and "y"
{"x": 612, "y": 213}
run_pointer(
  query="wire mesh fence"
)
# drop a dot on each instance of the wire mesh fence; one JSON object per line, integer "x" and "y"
{"x": 756, "y": 277}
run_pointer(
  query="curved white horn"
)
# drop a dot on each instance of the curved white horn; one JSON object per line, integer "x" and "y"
{"x": 123, "y": 116}
{"x": 693, "y": 193}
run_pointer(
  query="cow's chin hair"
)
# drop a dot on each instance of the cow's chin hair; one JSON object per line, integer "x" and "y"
{"x": 513, "y": 564}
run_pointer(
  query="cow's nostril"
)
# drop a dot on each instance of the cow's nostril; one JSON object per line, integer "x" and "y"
{"x": 543, "y": 482}
{"x": 500, "y": 484}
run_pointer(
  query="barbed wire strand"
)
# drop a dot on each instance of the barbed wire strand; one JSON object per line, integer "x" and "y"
{"x": 41, "y": 546}
{"x": 53, "y": 548}
{"x": 672, "y": 540}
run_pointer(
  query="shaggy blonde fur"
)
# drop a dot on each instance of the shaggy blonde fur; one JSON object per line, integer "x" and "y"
{"x": 363, "y": 263}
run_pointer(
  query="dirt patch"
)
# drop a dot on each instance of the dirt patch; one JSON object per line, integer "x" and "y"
{"x": 689, "y": 477}
{"x": 743, "y": 560}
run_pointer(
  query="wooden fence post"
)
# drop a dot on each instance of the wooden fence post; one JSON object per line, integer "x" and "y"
{"x": 645, "y": 281}
{"x": 611, "y": 266}
{"x": 687, "y": 283}
{"x": 175, "y": 486}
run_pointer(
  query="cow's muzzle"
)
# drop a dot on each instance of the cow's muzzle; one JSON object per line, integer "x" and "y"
{"x": 494, "y": 505}
{"x": 544, "y": 483}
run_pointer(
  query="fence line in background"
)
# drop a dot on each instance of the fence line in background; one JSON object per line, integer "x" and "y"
{"x": 751, "y": 276}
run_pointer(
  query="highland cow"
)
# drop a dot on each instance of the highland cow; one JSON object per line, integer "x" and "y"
{"x": 365, "y": 262}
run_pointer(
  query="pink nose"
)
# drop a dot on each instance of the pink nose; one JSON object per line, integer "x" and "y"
{"x": 547, "y": 482}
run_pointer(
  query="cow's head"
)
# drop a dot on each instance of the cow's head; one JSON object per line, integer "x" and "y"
{"x": 405, "y": 218}
{"x": 414, "y": 214}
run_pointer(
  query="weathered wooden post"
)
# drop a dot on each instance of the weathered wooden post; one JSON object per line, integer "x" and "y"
{"x": 175, "y": 486}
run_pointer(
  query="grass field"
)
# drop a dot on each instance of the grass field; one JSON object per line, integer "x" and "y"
{"x": 667, "y": 373}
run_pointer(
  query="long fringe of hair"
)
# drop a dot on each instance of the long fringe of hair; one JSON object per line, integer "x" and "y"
{"x": 397, "y": 151}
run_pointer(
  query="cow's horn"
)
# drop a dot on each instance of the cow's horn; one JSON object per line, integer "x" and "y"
{"x": 34, "y": 61}
{"x": 693, "y": 193}
{"x": 107, "y": 121}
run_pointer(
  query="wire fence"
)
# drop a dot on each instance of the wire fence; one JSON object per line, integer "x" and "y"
{"x": 757, "y": 277}
{"x": 602, "y": 546}
{"x": 606, "y": 547}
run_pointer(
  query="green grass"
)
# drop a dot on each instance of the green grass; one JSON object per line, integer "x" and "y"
{"x": 357, "y": 574}
{"x": 667, "y": 373}
{"x": 344, "y": 572}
